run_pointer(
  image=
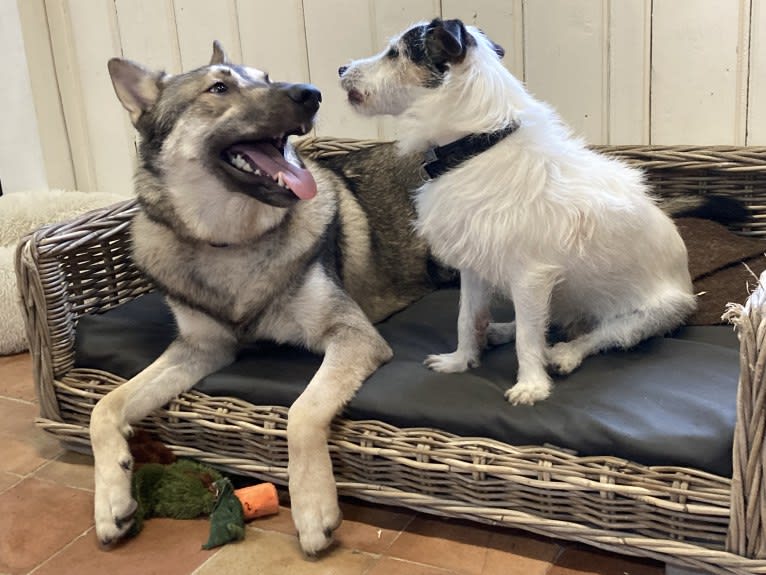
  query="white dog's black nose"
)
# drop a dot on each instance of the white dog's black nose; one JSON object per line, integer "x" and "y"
{"x": 305, "y": 94}
{"x": 342, "y": 70}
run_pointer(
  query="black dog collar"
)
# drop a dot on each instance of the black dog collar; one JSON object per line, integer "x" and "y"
{"x": 440, "y": 159}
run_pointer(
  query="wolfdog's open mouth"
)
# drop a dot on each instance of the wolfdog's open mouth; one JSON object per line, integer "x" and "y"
{"x": 266, "y": 160}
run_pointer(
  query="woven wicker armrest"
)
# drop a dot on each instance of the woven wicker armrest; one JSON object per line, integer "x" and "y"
{"x": 66, "y": 270}
{"x": 746, "y": 535}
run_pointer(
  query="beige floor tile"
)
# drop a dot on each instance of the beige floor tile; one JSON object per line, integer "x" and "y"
{"x": 70, "y": 469}
{"x": 281, "y": 522}
{"x": 17, "y": 417}
{"x": 164, "y": 547}
{"x": 370, "y": 528}
{"x": 7, "y": 480}
{"x": 272, "y": 553}
{"x": 24, "y": 446}
{"x": 455, "y": 545}
{"x": 390, "y": 566}
{"x": 16, "y": 377}
{"x": 515, "y": 553}
{"x": 23, "y": 455}
{"x": 39, "y": 519}
{"x": 580, "y": 560}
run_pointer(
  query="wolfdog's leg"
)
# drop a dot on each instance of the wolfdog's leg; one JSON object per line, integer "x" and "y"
{"x": 351, "y": 355}
{"x": 531, "y": 294}
{"x": 202, "y": 347}
{"x": 472, "y": 323}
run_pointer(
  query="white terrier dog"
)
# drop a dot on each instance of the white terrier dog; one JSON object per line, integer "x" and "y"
{"x": 523, "y": 208}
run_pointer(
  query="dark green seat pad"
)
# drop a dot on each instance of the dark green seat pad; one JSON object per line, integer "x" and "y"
{"x": 669, "y": 401}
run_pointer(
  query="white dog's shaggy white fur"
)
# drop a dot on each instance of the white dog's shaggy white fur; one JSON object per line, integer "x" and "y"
{"x": 572, "y": 236}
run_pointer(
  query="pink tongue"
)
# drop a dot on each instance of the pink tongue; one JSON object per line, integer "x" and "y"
{"x": 268, "y": 159}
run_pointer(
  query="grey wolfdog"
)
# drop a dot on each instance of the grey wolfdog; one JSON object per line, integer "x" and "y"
{"x": 249, "y": 242}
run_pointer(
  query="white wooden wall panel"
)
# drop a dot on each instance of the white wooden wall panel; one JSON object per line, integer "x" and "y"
{"x": 70, "y": 90}
{"x": 502, "y": 22}
{"x": 696, "y": 73}
{"x": 390, "y": 18}
{"x": 148, "y": 34}
{"x": 111, "y": 142}
{"x": 629, "y": 70}
{"x": 756, "y": 120}
{"x": 618, "y": 71}
{"x": 566, "y": 61}
{"x": 198, "y": 23}
{"x": 274, "y": 38}
{"x": 56, "y": 161}
{"x": 336, "y": 31}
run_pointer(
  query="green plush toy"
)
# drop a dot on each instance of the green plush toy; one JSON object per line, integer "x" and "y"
{"x": 227, "y": 521}
{"x": 187, "y": 489}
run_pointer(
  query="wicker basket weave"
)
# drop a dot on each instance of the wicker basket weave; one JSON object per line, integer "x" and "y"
{"x": 675, "y": 514}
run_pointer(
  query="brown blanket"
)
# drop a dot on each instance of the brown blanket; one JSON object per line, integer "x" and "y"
{"x": 717, "y": 260}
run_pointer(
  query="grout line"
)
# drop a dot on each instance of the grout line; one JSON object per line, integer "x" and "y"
{"x": 19, "y": 479}
{"x": 17, "y": 400}
{"x": 60, "y": 551}
{"x": 402, "y": 530}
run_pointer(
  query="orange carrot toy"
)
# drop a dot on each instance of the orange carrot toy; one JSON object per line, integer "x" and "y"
{"x": 258, "y": 500}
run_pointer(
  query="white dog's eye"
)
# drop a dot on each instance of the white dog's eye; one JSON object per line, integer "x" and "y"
{"x": 393, "y": 52}
{"x": 218, "y": 88}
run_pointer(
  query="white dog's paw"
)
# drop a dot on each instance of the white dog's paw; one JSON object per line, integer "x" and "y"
{"x": 454, "y": 362}
{"x": 501, "y": 333}
{"x": 316, "y": 515}
{"x": 529, "y": 392}
{"x": 563, "y": 358}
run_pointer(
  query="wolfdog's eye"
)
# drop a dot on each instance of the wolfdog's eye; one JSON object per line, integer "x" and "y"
{"x": 393, "y": 52}
{"x": 218, "y": 88}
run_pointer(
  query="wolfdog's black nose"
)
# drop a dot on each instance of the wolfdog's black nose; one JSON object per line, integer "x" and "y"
{"x": 305, "y": 94}
{"x": 342, "y": 70}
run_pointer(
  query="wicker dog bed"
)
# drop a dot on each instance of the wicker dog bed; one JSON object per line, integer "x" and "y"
{"x": 679, "y": 515}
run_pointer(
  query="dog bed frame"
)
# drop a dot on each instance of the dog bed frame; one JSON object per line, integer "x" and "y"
{"x": 679, "y": 515}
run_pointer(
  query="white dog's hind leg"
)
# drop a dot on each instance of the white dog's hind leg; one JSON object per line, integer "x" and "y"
{"x": 351, "y": 355}
{"x": 472, "y": 323}
{"x": 664, "y": 313}
{"x": 189, "y": 358}
{"x": 531, "y": 299}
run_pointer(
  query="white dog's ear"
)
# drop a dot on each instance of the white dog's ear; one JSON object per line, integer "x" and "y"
{"x": 136, "y": 87}
{"x": 219, "y": 56}
{"x": 447, "y": 41}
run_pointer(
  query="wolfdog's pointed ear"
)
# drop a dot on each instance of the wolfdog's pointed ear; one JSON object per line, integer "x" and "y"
{"x": 219, "y": 56}
{"x": 136, "y": 87}
{"x": 446, "y": 41}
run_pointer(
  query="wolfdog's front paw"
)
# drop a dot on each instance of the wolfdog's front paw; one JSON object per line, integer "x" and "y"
{"x": 529, "y": 391}
{"x": 316, "y": 516}
{"x": 114, "y": 506}
{"x": 454, "y": 362}
{"x": 563, "y": 358}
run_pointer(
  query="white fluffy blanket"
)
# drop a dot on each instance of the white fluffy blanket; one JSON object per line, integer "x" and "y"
{"x": 20, "y": 214}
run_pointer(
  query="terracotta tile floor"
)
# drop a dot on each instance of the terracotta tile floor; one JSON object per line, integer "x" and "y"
{"x": 46, "y": 526}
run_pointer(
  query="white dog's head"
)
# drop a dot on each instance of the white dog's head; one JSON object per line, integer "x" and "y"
{"x": 414, "y": 63}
